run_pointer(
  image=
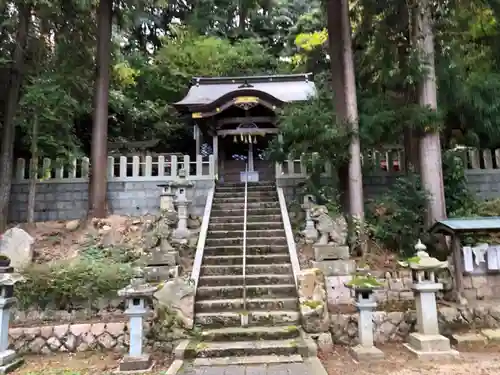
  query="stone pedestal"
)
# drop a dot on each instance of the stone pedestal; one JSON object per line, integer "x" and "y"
{"x": 338, "y": 267}
{"x": 9, "y": 360}
{"x": 365, "y": 350}
{"x": 161, "y": 265}
{"x": 427, "y": 342}
{"x": 136, "y": 294}
{"x": 182, "y": 231}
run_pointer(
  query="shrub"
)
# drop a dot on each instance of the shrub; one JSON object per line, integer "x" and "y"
{"x": 460, "y": 202}
{"x": 396, "y": 220}
{"x": 64, "y": 284}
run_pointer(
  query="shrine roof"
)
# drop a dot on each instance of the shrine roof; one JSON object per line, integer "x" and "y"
{"x": 474, "y": 224}
{"x": 282, "y": 88}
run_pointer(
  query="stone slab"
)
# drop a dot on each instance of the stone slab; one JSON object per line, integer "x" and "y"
{"x": 431, "y": 356}
{"x": 180, "y": 349}
{"x": 336, "y": 290}
{"x": 247, "y": 360}
{"x": 162, "y": 258}
{"x": 336, "y": 267}
{"x": 140, "y": 364}
{"x": 12, "y": 366}
{"x": 469, "y": 337}
{"x": 491, "y": 334}
{"x": 428, "y": 343}
{"x": 330, "y": 252}
{"x": 175, "y": 367}
{"x": 362, "y": 354}
{"x": 160, "y": 273}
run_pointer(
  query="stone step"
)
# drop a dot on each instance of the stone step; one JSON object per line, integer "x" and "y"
{"x": 249, "y": 360}
{"x": 252, "y": 269}
{"x": 242, "y": 348}
{"x": 255, "y": 318}
{"x": 251, "y": 250}
{"x": 251, "y": 241}
{"x": 251, "y": 333}
{"x": 251, "y": 233}
{"x": 236, "y": 304}
{"x": 250, "y": 199}
{"x": 241, "y": 194}
{"x": 223, "y": 212}
{"x": 253, "y": 291}
{"x": 216, "y": 260}
{"x": 239, "y": 219}
{"x": 230, "y": 185}
{"x": 221, "y": 280}
{"x": 251, "y": 226}
{"x": 241, "y": 205}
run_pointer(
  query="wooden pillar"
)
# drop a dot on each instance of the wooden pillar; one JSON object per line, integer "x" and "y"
{"x": 250, "y": 157}
{"x": 197, "y": 138}
{"x": 458, "y": 267}
{"x": 215, "y": 147}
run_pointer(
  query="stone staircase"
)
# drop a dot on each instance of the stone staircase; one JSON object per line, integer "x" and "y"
{"x": 270, "y": 330}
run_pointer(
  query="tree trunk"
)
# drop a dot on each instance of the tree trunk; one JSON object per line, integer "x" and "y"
{"x": 344, "y": 82}
{"x": 430, "y": 143}
{"x": 355, "y": 173}
{"x": 98, "y": 177}
{"x": 33, "y": 172}
{"x": 8, "y": 130}
{"x": 336, "y": 68}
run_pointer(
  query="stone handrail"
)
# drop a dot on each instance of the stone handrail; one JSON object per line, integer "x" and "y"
{"x": 292, "y": 249}
{"x": 198, "y": 258}
{"x": 122, "y": 168}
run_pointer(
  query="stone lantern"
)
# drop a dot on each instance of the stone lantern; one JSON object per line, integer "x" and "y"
{"x": 427, "y": 342}
{"x": 167, "y": 197}
{"x": 182, "y": 185}
{"x": 363, "y": 288}
{"x": 9, "y": 360}
{"x": 136, "y": 294}
{"x": 310, "y": 233}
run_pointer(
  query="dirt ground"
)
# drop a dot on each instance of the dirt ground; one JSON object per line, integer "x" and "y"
{"x": 475, "y": 359}
{"x": 90, "y": 363}
{"x": 478, "y": 360}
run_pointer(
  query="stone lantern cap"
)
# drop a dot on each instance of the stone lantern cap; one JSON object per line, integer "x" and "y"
{"x": 10, "y": 279}
{"x": 138, "y": 287}
{"x": 364, "y": 283}
{"x": 422, "y": 261}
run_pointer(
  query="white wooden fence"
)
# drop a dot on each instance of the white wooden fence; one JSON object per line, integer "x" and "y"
{"x": 123, "y": 168}
{"x": 391, "y": 161}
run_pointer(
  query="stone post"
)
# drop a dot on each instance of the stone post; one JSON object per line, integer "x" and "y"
{"x": 427, "y": 342}
{"x": 365, "y": 303}
{"x": 310, "y": 232}
{"x": 182, "y": 185}
{"x": 9, "y": 360}
{"x": 136, "y": 294}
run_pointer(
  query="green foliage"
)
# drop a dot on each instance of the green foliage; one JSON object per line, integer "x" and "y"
{"x": 82, "y": 280}
{"x": 364, "y": 282}
{"x": 395, "y": 220}
{"x": 311, "y": 131}
{"x": 459, "y": 200}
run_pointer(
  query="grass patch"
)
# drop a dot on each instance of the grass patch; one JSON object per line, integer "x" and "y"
{"x": 312, "y": 304}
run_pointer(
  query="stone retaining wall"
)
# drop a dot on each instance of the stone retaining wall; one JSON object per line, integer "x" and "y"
{"x": 70, "y": 338}
{"x": 395, "y": 326}
{"x": 80, "y": 337}
{"x": 388, "y": 326}
{"x": 68, "y": 199}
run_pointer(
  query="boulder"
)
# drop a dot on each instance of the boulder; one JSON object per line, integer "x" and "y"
{"x": 313, "y": 301}
{"x": 16, "y": 244}
{"x": 178, "y": 296}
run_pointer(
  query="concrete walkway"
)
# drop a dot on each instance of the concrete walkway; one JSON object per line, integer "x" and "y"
{"x": 308, "y": 367}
